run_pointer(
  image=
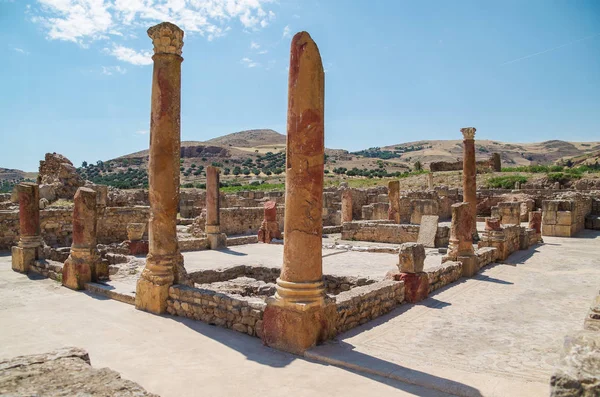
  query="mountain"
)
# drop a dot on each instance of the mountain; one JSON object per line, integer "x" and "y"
{"x": 8, "y": 174}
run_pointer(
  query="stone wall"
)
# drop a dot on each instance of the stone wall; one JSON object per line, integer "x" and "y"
{"x": 387, "y": 232}
{"x": 362, "y": 304}
{"x": 56, "y": 225}
{"x": 506, "y": 241}
{"x": 242, "y": 314}
{"x": 443, "y": 274}
{"x": 565, "y": 217}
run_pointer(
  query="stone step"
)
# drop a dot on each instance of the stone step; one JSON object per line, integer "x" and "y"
{"x": 114, "y": 290}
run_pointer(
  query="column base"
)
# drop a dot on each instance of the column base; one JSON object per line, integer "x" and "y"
{"x": 76, "y": 273}
{"x": 416, "y": 286}
{"x": 23, "y": 258}
{"x": 470, "y": 265}
{"x": 217, "y": 240}
{"x": 296, "y": 327}
{"x": 151, "y": 297}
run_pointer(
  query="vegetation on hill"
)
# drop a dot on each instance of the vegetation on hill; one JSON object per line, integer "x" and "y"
{"x": 7, "y": 185}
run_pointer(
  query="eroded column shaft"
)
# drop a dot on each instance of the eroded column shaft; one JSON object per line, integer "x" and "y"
{"x": 469, "y": 174}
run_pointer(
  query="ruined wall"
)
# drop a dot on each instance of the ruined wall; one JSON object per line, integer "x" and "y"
{"x": 238, "y": 220}
{"x": 226, "y": 310}
{"x": 362, "y": 304}
{"x": 565, "y": 216}
{"x": 482, "y": 165}
{"x": 444, "y": 274}
{"x": 56, "y": 225}
{"x": 112, "y": 225}
{"x": 386, "y": 232}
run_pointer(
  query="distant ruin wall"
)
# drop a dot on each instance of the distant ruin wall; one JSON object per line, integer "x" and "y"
{"x": 482, "y": 165}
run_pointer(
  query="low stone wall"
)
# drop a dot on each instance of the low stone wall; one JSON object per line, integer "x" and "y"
{"x": 238, "y": 221}
{"x": 52, "y": 270}
{"x": 443, "y": 274}
{"x": 505, "y": 241}
{"x": 565, "y": 216}
{"x": 226, "y": 310}
{"x": 375, "y": 211}
{"x": 389, "y": 232}
{"x": 362, "y": 304}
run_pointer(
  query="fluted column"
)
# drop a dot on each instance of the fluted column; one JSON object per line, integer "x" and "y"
{"x": 470, "y": 175}
{"x": 30, "y": 241}
{"x": 164, "y": 264}
{"x": 299, "y": 316}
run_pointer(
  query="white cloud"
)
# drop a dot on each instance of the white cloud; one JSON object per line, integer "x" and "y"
{"x": 130, "y": 55}
{"x": 263, "y": 52}
{"x": 22, "y": 51}
{"x": 254, "y": 45}
{"x": 249, "y": 63}
{"x": 142, "y": 132}
{"x": 86, "y": 21}
{"x": 286, "y": 31}
{"x": 110, "y": 70}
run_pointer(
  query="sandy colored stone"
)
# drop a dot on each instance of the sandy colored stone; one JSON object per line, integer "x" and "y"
{"x": 470, "y": 174}
{"x": 428, "y": 230}
{"x": 164, "y": 264}
{"x": 535, "y": 221}
{"x": 394, "y": 199}
{"x": 135, "y": 231}
{"x": 412, "y": 258}
{"x": 461, "y": 237}
{"x": 493, "y": 224}
{"x": 346, "y": 205}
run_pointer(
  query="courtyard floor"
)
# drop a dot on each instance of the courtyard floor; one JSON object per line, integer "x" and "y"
{"x": 497, "y": 334}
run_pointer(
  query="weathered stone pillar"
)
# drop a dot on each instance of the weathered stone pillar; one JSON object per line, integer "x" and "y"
{"x": 84, "y": 263}
{"x": 470, "y": 175}
{"x": 300, "y": 315}
{"x": 535, "y": 223}
{"x": 496, "y": 163}
{"x": 346, "y": 205}
{"x": 269, "y": 228}
{"x": 216, "y": 239}
{"x": 430, "y": 181}
{"x": 164, "y": 264}
{"x": 30, "y": 240}
{"x": 394, "y": 197}
{"x": 461, "y": 239}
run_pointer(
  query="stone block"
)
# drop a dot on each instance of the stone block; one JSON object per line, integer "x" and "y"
{"x": 562, "y": 230}
{"x": 289, "y": 328}
{"x": 412, "y": 258}
{"x": 578, "y": 371}
{"x": 564, "y": 218}
{"x": 23, "y": 258}
{"x": 76, "y": 273}
{"x": 138, "y": 247}
{"x": 548, "y": 230}
{"x": 428, "y": 230}
{"x": 416, "y": 286}
{"x": 217, "y": 240}
{"x": 470, "y": 265}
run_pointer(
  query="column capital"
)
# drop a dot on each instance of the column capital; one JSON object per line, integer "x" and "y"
{"x": 167, "y": 38}
{"x": 468, "y": 132}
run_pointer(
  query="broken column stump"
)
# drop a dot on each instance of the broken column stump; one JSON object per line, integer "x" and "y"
{"x": 29, "y": 247}
{"x": 269, "y": 228}
{"x": 411, "y": 262}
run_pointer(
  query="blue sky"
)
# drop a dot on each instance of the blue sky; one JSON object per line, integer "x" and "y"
{"x": 76, "y": 75}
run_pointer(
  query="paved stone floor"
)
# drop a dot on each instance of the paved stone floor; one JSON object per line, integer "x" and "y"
{"x": 497, "y": 334}
{"x": 170, "y": 356}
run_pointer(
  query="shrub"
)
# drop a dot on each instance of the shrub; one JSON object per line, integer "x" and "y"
{"x": 505, "y": 182}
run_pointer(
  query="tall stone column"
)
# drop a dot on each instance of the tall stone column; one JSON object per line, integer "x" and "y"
{"x": 346, "y": 205}
{"x": 164, "y": 264}
{"x": 216, "y": 239}
{"x": 84, "y": 263}
{"x": 460, "y": 246}
{"x": 300, "y": 315}
{"x": 469, "y": 175}
{"x": 30, "y": 240}
{"x": 394, "y": 197}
